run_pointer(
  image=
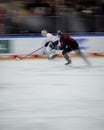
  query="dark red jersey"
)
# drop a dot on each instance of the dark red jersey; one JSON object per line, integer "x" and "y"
{"x": 68, "y": 41}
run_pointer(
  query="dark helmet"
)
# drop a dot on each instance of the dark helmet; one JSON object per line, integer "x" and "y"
{"x": 59, "y": 33}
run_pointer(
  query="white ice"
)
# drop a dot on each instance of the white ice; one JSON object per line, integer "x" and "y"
{"x": 47, "y": 95}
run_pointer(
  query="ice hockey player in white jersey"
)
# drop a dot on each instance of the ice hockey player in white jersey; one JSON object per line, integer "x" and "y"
{"x": 50, "y": 44}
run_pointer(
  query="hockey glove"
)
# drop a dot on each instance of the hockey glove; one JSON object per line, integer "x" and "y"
{"x": 46, "y": 44}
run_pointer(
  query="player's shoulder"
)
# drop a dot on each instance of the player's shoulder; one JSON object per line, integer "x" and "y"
{"x": 49, "y": 35}
{"x": 66, "y": 36}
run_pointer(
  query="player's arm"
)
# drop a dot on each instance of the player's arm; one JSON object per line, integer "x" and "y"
{"x": 58, "y": 45}
{"x": 46, "y": 44}
{"x": 61, "y": 45}
{"x": 54, "y": 45}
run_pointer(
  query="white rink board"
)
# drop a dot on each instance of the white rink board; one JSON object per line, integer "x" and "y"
{"x": 24, "y": 45}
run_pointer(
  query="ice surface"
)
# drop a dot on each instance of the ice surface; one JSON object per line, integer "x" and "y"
{"x": 47, "y": 95}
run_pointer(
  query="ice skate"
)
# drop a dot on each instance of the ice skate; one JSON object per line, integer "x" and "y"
{"x": 51, "y": 57}
{"x": 69, "y": 62}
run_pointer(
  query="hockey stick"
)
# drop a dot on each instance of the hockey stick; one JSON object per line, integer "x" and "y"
{"x": 17, "y": 58}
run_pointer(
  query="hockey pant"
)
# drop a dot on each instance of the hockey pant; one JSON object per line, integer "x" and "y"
{"x": 54, "y": 45}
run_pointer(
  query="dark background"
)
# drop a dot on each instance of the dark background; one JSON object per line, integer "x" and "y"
{"x": 29, "y": 17}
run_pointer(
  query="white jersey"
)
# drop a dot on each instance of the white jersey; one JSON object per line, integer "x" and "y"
{"x": 50, "y": 37}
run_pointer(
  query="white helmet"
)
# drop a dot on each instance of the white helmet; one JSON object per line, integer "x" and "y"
{"x": 44, "y": 32}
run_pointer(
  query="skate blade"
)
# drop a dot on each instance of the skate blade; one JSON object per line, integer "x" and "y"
{"x": 68, "y": 63}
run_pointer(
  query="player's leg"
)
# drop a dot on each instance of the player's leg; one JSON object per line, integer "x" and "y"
{"x": 65, "y": 54}
{"x": 78, "y": 52}
{"x": 51, "y": 52}
{"x": 52, "y": 49}
{"x": 76, "y": 48}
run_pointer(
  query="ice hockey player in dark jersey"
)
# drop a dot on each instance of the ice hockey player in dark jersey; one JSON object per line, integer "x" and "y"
{"x": 68, "y": 44}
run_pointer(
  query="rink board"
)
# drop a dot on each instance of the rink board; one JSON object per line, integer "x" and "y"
{"x": 19, "y": 46}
